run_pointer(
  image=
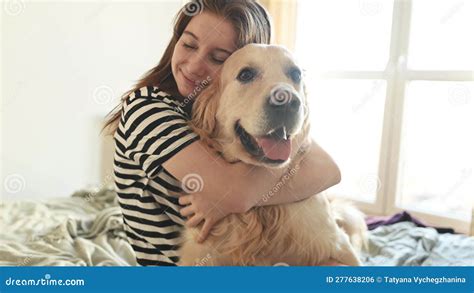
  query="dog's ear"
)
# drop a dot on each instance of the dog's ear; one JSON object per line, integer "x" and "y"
{"x": 204, "y": 112}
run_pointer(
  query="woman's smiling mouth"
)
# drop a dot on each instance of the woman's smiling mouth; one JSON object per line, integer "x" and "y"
{"x": 188, "y": 80}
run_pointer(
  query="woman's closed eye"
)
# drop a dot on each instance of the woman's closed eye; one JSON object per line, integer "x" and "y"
{"x": 189, "y": 46}
{"x": 213, "y": 59}
{"x": 217, "y": 60}
{"x": 218, "y": 57}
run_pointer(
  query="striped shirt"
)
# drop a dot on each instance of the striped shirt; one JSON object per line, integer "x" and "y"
{"x": 153, "y": 127}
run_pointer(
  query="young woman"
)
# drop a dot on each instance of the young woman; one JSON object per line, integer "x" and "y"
{"x": 156, "y": 150}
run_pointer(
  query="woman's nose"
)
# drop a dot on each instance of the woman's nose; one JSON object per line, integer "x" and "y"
{"x": 197, "y": 66}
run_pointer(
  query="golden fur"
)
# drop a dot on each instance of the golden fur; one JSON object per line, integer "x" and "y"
{"x": 300, "y": 233}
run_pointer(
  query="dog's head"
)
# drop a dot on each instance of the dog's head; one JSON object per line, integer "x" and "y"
{"x": 257, "y": 107}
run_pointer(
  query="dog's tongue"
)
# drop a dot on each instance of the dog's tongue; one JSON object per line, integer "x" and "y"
{"x": 275, "y": 149}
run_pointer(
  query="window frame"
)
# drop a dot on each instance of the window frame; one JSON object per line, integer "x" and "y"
{"x": 397, "y": 76}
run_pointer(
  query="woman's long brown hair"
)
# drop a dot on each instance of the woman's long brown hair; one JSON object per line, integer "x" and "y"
{"x": 249, "y": 18}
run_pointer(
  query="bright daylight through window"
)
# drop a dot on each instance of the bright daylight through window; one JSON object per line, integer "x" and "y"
{"x": 392, "y": 97}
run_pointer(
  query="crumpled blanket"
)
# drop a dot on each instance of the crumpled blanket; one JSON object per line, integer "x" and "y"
{"x": 405, "y": 244}
{"x": 84, "y": 230}
{"x": 87, "y": 230}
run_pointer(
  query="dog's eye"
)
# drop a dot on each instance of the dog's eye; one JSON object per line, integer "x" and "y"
{"x": 246, "y": 75}
{"x": 295, "y": 75}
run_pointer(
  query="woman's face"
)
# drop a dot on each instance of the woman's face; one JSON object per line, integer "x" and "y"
{"x": 199, "y": 53}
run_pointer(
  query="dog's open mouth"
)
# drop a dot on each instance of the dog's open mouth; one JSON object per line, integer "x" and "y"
{"x": 274, "y": 147}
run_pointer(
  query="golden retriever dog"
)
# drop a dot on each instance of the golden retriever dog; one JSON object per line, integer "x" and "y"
{"x": 254, "y": 113}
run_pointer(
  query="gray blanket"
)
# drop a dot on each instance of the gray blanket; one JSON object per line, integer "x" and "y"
{"x": 85, "y": 230}
{"x": 404, "y": 244}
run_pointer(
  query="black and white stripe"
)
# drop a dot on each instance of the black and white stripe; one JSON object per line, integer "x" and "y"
{"x": 153, "y": 127}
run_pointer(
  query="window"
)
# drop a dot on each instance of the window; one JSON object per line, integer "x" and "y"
{"x": 391, "y": 89}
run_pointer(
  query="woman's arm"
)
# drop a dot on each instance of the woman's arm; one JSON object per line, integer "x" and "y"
{"x": 239, "y": 187}
{"x": 232, "y": 185}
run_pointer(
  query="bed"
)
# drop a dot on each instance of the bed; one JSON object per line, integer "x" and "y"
{"x": 405, "y": 244}
{"x": 83, "y": 230}
{"x": 86, "y": 229}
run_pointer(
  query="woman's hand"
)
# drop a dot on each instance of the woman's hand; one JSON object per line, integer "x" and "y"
{"x": 202, "y": 208}
{"x": 243, "y": 185}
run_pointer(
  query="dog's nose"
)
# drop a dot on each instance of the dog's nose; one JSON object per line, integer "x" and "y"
{"x": 283, "y": 99}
